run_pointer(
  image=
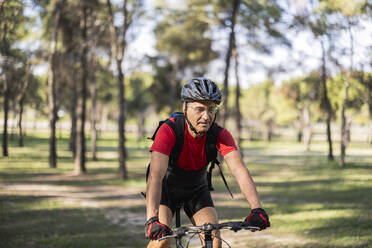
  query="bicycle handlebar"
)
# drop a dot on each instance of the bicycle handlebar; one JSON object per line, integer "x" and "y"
{"x": 235, "y": 226}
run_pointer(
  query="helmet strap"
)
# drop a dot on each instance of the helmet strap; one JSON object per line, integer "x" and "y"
{"x": 189, "y": 123}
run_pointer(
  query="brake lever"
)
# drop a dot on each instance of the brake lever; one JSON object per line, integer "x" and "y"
{"x": 252, "y": 228}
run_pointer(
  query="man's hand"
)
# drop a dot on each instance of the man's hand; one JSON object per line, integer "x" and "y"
{"x": 155, "y": 230}
{"x": 258, "y": 218}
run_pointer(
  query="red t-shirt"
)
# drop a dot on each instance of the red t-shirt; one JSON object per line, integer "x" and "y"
{"x": 193, "y": 155}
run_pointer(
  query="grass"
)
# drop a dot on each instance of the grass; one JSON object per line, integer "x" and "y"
{"x": 311, "y": 201}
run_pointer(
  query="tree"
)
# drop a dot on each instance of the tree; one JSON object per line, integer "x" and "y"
{"x": 238, "y": 115}
{"x": 24, "y": 83}
{"x": 318, "y": 23}
{"x": 185, "y": 49}
{"x": 140, "y": 99}
{"x": 52, "y": 94}
{"x": 80, "y": 157}
{"x": 301, "y": 95}
{"x": 118, "y": 48}
{"x": 11, "y": 21}
{"x": 229, "y": 22}
{"x": 365, "y": 80}
{"x": 260, "y": 107}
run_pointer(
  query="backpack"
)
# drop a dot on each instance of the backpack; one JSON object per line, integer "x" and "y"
{"x": 178, "y": 127}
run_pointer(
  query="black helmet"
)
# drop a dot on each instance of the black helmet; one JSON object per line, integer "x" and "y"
{"x": 201, "y": 89}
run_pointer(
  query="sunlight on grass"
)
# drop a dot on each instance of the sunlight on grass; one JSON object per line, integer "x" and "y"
{"x": 311, "y": 201}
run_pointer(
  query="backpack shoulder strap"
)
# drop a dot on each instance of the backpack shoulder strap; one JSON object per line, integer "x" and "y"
{"x": 211, "y": 141}
{"x": 211, "y": 152}
{"x": 178, "y": 127}
{"x": 179, "y": 130}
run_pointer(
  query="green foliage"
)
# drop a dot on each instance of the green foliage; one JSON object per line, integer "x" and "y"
{"x": 262, "y": 21}
{"x": 12, "y": 23}
{"x": 139, "y": 97}
{"x": 161, "y": 85}
{"x": 257, "y": 102}
{"x": 184, "y": 34}
{"x": 183, "y": 38}
{"x": 346, "y": 7}
{"x": 358, "y": 94}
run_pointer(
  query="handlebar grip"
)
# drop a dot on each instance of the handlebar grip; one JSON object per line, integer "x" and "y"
{"x": 166, "y": 237}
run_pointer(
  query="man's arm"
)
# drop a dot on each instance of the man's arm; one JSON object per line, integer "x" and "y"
{"x": 158, "y": 168}
{"x": 240, "y": 172}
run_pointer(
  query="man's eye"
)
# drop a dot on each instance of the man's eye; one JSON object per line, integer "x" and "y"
{"x": 200, "y": 109}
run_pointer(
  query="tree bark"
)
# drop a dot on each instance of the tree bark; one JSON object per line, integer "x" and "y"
{"x": 118, "y": 52}
{"x": 52, "y": 94}
{"x": 174, "y": 86}
{"x": 368, "y": 84}
{"x": 299, "y": 127}
{"x": 238, "y": 116}
{"x": 326, "y": 102}
{"x": 344, "y": 137}
{"x": 141, "y": 125}
{"x": 307, "y": 129}
{"x": 80, "y": 158}
{"x": 93, "y": 91}
{"x": 267, "y": 131}
{"x": 20, "y": 100}
{"x": 6, "y": 91}
{"x": 234, "y": 11}
{"x": 93, "y": 132}
{"x": 73, "y": 115}
{"x": 6, "y": 111}
{"x": 345, "y": 126}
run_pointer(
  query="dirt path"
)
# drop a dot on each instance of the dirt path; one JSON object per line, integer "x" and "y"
{"x": 122, "y": 206}
{"x": 111, "y": 199}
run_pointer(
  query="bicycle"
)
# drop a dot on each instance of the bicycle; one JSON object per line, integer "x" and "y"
{"x": 206, "y": 229}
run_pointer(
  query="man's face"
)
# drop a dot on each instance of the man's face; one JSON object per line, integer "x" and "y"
{"x": 201, "y": 114}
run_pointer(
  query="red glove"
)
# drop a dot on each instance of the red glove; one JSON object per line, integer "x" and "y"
{"x": 258, "y": 218}
{"x": 155, "y": 230}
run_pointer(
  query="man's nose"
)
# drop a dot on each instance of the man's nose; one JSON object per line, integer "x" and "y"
{"x": 205, "y": 115}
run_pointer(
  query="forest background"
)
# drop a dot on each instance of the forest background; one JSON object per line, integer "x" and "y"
{"x": 76, "y": 73}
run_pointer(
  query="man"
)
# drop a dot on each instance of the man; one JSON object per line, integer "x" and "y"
{"x": 172, "y": 182}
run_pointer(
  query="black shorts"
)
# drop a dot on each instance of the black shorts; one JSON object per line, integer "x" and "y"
{"x": 192, "y": 200}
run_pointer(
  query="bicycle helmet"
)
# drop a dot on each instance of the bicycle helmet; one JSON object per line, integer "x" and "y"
{"x": 201, "y": 89}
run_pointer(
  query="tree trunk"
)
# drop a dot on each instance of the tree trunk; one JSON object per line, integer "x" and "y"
{"x": 299, "y": 128}
{"x": 121, "y": 123}
{"x": 80, "y": 158}
{"x": 93, "y": 91}
{"x": 118, "y": 51}
{"x": 73, "y": 115}
{"x": 369, "y": 100}
{"x": 267, "y": 132}
{"x": 141, "y": 125}
{"x": 20, "y": 100}
{"x": 4, "y": 48}
{"x": 367, "y": 83}
{"x": 6, "y": 111}
{"x": 327, "y": 102}
{"x": 307, "y": 128}
{"x": 344, "y": 122}
{"x": 52, "y": 94}
{"x": 238, "y": 116}
{"x": 225, "y": 115}
{"x": 174, "y": 86}
{"x": 20, "y": 133}
{"x": 93, "y": 132}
